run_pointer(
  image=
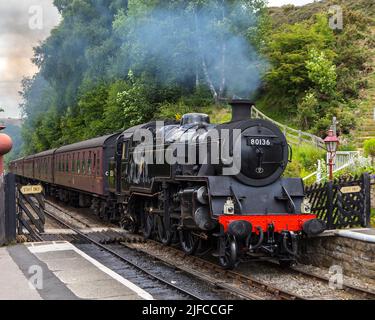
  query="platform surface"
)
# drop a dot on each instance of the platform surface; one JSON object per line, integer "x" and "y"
{"x": 360, "y": 234}
{"x": 60, "y": 271}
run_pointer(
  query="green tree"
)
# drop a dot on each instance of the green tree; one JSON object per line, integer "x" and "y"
{"x": 321, "y": 71}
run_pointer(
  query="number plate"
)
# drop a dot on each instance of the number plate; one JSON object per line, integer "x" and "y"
{"x": 259, "y": 142}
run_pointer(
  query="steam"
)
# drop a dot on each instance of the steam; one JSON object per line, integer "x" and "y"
{"x": 206, "y": 45}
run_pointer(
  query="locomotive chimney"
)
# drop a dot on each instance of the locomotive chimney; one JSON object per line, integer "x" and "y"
{"x": 241, "y": 109}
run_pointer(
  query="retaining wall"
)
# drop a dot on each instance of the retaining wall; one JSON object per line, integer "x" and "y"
{"x": 357, "y": 258}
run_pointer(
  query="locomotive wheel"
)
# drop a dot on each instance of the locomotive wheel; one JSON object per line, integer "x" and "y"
{"x": 128, "y": 223}
{"x": 148, "y": 227}
{"x": 165, "y": 236}
{"x": 188, "y": 241}
{"x": 229, "y": 260}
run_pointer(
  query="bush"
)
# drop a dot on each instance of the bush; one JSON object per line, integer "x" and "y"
{"x": 369, "y": 148}
{"x": 304, "y": 161}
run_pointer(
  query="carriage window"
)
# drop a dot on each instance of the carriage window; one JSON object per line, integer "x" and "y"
{"x": 83, "y": 163}
{"x": 94, "y": 164}
{"x": 89, "y": 167}
{"x": 78, "y": 166}
{"x": 98, "y": 167}
{"x": 67, "y": 163}
{"x": 74, "y": 163}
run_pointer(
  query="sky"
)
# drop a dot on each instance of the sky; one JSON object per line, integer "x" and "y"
{"x": 23, "y": 25}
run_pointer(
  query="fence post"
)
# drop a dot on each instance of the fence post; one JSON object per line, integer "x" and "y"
{"x": 367, "y": 200}
{"x": 299, "y": 136}
{"x": 10, "y": 208}
{"x": 330, "y": 205}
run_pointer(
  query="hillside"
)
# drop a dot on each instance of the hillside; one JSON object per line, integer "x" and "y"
{"x": 354, "y": 59}
{"x": 292, "y": 14}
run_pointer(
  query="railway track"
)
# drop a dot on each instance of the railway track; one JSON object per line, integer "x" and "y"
{"x": 238, "y": 280}
{"x": 160, "y": 280}
{"x": 241, "y": 285}
{"x": 232, "y": 284}
{"x": 236, "y": 283}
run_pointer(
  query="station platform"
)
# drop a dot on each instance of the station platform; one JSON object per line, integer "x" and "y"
{"x": 360, "y": 234}
{"x": 60, "y": 271}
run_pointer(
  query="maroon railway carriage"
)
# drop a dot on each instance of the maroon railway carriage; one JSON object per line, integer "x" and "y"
{"x": 76, "y": 173}
{"x": 43, "y": 166}
{"x": 16, "y": 167}
{"x": 84, "y": 166}
{"x": 28, "y": 167}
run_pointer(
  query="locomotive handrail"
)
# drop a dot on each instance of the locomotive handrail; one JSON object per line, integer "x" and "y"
{"x": 294, "y": 136}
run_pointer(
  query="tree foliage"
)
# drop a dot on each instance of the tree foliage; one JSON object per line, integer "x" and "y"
{"x": 111, "y": 64}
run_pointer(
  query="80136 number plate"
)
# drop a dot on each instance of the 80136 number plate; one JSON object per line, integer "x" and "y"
{"x": 259, "y": 142}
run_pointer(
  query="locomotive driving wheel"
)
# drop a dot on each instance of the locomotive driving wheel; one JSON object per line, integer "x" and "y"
{"x": 165, "y": 236}
{"x": 228, "y": 248}
{"x": 148, "y": 227}
{"x": 128, "y": 223}
{"x": 189, "y": 242}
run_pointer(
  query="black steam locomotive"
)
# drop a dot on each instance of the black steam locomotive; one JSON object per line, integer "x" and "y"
{"x": 193, "y": 182}
{"x": 221, "y": 187}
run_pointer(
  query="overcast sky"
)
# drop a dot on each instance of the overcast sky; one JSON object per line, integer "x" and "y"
{"x": 23, "y": 24}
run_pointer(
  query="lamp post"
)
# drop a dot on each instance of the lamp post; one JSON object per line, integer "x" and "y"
{"x": 332, "y": 143}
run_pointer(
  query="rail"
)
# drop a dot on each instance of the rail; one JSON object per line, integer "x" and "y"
{"x": 293, "y": 136}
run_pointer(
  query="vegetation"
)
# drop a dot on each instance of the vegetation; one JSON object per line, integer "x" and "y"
{"x": 111, "y": 64}
{"x": 304, "y": 161}
{"x": 369, "y": 148}
{"x": 317, "y": 72}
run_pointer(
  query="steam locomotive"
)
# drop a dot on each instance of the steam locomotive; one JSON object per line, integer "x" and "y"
{"x": 193, "y": 182}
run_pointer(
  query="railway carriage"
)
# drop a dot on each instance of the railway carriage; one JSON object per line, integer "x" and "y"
{"x": 43, "y": 166}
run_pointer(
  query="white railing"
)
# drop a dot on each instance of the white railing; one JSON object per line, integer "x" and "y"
{"x": 343, "y": 160}
{"x": 293, "y": 136}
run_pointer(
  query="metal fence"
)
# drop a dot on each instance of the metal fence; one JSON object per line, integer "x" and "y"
{"x": 343, "y": 203}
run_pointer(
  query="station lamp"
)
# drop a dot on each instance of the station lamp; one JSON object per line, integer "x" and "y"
{"x": 332, "y": 143}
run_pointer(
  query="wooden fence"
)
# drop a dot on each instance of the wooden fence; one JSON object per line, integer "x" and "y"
{"x": 293, "y": 136}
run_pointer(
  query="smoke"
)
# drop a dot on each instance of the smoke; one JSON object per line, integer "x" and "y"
{"x": 208, "y": 44}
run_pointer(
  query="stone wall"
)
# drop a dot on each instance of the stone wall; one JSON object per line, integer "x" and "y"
{"x": 357, "y": 258}
{"x": 373, "y": 196}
